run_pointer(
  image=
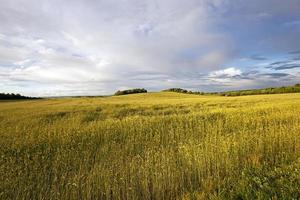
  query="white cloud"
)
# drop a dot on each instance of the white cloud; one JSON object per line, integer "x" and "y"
{"x": 228, "y": 72}
{"x": 101, "y": 42}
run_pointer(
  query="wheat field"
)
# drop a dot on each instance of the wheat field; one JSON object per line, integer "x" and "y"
{"x": 151, "y": 146}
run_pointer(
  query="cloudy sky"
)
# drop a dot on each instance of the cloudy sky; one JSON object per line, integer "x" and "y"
{"x": 94, "y": 47}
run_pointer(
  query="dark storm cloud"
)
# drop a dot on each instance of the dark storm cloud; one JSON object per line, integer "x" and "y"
{"x": 284, "y": 67}
{"x": 294, "y": 52}
{"x": 279, "y": 62}
{"x": 275, "y": 75}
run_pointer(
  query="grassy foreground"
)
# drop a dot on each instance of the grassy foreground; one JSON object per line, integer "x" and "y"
{"x": 151, "y": 146}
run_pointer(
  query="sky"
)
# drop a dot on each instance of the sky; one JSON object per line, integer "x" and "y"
{"x": 95, "y": 47}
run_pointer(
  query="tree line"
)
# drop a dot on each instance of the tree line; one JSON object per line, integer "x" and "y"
{"x": 131, "y": 91}
{"x": 279, "y": 90}
{"x": 180, "y": 90}
{"x": 12, "y": 96}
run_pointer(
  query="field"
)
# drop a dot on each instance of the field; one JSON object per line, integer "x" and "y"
{"x": 151, "y": 146}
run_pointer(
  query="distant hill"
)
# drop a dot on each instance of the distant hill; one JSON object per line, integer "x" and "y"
{"x": 273, "y": 90}
{"x": 12, "y": 96}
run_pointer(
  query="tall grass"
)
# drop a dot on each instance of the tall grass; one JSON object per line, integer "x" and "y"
{"x": 151, "y": 146}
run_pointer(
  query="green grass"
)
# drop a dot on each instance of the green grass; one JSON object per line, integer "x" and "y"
{"x": 151, "y": 146}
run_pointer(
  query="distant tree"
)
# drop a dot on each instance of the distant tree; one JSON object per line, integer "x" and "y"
{"x": 12, "y": 96}
{"x": 180, "y": 90}
{"x": 131, "y": 91}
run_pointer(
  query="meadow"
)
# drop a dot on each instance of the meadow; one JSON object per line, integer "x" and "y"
{"x": 151, "y": 146}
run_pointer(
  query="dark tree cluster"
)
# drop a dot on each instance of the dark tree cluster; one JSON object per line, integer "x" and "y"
{"x": 131, "y": 91}
{"x": 180, "y": 90}
{"x": 12, "y": 96}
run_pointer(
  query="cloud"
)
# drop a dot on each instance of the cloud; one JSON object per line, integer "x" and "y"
{"x": 294, "y": 52}
{"x": 288, "y": 66}
{"x": 293, "y": 24}
{"x": 279, "y": 62}
{"x": 296, "y": 58}
{"x": 228, "y": 72}
{"x": 257, "y": 57}
{"x": 96, "y": 47}
{"x": 275, "y": 75}
{"x": 236, "y": 79}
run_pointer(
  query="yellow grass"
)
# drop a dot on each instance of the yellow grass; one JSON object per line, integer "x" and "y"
{"x": 151, "y": 146}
